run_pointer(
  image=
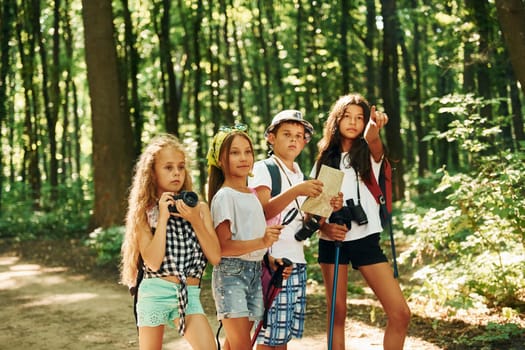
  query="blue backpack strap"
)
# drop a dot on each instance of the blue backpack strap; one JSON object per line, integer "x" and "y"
{"x": 275, "y": 176}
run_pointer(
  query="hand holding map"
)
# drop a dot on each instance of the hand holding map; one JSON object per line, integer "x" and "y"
{"x": 332, "y": 179}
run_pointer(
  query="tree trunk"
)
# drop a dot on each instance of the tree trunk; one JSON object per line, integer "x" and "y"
{"x": 422, "y": 147}
{"x": 511, "y": 15}
{"x": 112, "y": 134}
{"x": 241, "y": 76}
{"x": 481, "y": 18}
{"x": 171, "y": 96}
{"x": 370, "y": 48}
{"x": 51, "y": 91}
{"x": 132, "y": 64}
{"x": 197, "y": 88}
{"x": 517, "y": 117}
{"x": 74, "y": 139}
{"x": 227, "y": 110}
{"x": 6, "y": 20}
{"x": 279, "y": 97}
{"x": 214, "y": 72}
{"x": 343, "y": 48}
{"x": 390, "y": 93}
{"x": 265, "y": 74}
{"x": 26, "y": 44}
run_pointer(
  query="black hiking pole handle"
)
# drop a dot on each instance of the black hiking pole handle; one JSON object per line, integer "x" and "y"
{"x": 280, "y": 268}
{"x": 278, "y": 280}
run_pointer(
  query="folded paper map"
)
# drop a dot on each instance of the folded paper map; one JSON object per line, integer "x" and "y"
{"x": 332, "y": 179}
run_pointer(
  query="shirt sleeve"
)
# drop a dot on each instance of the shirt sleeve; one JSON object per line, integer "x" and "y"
{"x": 261, "y": 176}
{"x": 376, "y": 166}
{"x": 313, "y": 172}
{"x": 222, "y": 209}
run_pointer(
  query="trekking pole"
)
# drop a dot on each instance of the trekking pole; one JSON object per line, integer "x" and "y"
{"x": 334, "y": 294}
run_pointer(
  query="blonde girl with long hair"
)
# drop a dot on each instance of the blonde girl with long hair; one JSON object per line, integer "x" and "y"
{"x": 169, "y": 240}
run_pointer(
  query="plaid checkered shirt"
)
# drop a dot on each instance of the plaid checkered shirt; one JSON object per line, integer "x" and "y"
{"x": 183, "y": 258}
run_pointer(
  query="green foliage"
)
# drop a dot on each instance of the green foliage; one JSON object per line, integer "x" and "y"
{"x": 494, "y": 333}
{"x": 23, "y": 218}
{"x": 473, "y": 244}
{"x": 311, "y": 253}
{"x": 107, "y": 243}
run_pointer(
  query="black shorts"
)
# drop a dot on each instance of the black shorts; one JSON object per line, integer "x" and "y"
{"x": 360, "y": 252}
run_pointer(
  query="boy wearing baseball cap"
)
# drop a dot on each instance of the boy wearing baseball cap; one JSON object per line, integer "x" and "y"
{"x": 286, "y": 136}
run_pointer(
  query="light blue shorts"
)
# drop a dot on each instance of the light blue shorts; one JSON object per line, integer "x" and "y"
{"x": 158, "y": 302}
{"x": 237, "y": 289}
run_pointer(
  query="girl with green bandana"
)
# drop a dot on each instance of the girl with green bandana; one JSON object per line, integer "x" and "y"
{"x": 239, "y": 221}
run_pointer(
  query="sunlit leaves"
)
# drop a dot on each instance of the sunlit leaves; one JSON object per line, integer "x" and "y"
{"x": 476, "y": 242}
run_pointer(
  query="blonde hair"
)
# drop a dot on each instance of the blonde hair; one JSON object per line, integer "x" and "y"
{"x": 142, "y": 197}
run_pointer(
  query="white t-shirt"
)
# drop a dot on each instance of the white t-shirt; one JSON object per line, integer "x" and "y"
{"x": 287, "y": 246}
{"x": 368, "y": 202}
{"x": 245, "y": 214}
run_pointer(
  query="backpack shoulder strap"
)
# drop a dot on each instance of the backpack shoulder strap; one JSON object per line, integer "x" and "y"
{"x": 382, "y": 191}
{"x": 385, "y": 183}
{"x": 275, "y": 176}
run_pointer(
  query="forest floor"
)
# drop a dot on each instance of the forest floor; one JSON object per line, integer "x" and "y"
{"x": 52, "y": 296}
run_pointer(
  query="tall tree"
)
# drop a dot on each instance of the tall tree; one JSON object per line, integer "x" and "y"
{"x": 511, "y": 14}
{"x": 239, "y": 71}
{"x": 6, "y": 20}
{"x": 390, "y": 93}
{"x": 343, "y": 49}
{"x": 278, "y": 97}
{"x": 517, "y": 116}
{"x": 131, "y": 69}
{"x": 172, "y": 88}
{"x": 50, "y": 88}
{"x": 72, "y": 87}
{"x": 262, "y": 76}
{"x": 422, "y": 149}
{"x": 195, "y": 28}
{"x": 112, "y": 133}
{"x": 481, "y": 17}
{"x": 26, "y": 47}
{"x": 227, "y": 62}
{"x": 369, "y": 41}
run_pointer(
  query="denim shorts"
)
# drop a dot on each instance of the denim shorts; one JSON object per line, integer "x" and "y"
{"x": 360, "y": 252}
{"x": 237, "y": 289}
{"x": 158, "y": 302}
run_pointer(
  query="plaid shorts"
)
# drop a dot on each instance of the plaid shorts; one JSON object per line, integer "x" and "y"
{"x": 286, "y": 315}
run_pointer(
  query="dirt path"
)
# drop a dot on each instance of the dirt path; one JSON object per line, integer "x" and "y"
{"x": 54, "y": 308}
